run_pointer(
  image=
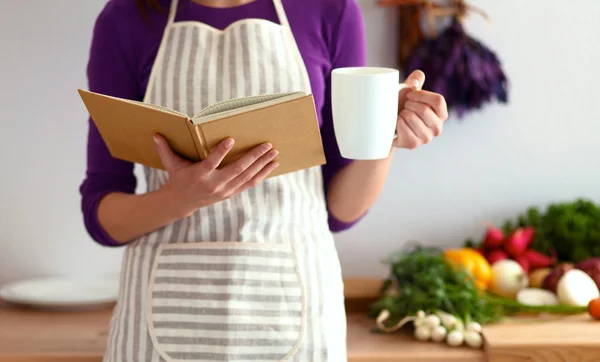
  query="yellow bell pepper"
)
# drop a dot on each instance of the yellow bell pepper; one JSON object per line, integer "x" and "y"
{"x": 474, "y": 263}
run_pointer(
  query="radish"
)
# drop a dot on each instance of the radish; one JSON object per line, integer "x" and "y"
{"x": 576, "y": 288}
{"x": 508, "y": 278}
{"x": 493, "y": 238}
{"x": 536, "y": 296}
{"x": 519, "y": 241}
{"x": 496, "y": 255}
{"x": 523, "y": 262}
{"x": 539, "y": 260}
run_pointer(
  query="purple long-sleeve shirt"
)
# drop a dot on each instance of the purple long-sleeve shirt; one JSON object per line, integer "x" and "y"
{"x": 329, "y": 33}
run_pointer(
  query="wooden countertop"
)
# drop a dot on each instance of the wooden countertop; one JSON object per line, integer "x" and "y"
{"x": 36, "y": 336}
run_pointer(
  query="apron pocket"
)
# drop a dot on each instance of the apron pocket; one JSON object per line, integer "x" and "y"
{"x": 226, "y": 301}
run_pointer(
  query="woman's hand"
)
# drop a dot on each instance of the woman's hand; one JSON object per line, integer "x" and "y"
{"x": 421, "y": 113}
{"x": 194, "y": 185}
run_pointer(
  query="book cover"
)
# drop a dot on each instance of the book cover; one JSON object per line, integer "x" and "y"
{"x": 289, "y": 122}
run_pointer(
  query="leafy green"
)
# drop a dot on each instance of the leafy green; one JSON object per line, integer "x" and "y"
{"x": 572, "y": 229}
{"x": 421, "y": 279}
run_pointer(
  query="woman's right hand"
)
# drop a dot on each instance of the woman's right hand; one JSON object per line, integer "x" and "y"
{"x": 195, "y": 185}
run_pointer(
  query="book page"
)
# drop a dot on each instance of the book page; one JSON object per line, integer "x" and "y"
{"x": 239, "y": 105}
{"x": 154, "y": 106}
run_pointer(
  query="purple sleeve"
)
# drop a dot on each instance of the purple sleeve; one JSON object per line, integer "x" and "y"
{"x": 109, "y": 72}
{"x": 347, "y": 49}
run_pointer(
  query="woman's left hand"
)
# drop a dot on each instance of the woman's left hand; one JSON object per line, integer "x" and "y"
{"x": 421, "y": 113}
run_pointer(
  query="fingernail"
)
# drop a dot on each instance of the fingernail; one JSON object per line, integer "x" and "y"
{"x": 266, "y": 147}
{"x": 414, "y": 84}
{"x": 229, "y": 142}
{"x": 276, "y": 164}
{"x": 273, "y": 153}
{"x": 155, "y": 138}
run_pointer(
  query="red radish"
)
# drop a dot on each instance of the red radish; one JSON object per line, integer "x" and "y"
{"x": 519, "y": 241}
{"x": 539, "y": 260}
{"x": 528, "y": 235}
{"x": 496, "y": 255}
{"x": 523, "y": 262}
{"x": 493, "y": 238}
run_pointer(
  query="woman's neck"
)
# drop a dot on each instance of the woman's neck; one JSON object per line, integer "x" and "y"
{"x": 222, "y": 3}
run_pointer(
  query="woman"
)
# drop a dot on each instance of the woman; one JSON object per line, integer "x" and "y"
{"x": 221, "y": 264}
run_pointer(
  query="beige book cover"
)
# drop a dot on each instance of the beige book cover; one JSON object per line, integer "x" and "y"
{"x": 288, "y": 121}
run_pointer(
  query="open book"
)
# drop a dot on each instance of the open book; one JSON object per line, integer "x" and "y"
{"x": 288, "y": 121}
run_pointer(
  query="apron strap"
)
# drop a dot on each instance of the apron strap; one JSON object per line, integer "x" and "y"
{"x": 172, "y": 12}
{"x": 283, "y": 20}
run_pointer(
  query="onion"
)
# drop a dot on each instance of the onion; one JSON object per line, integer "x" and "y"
{"x": 473, "y": 339}
{"x": 508, "y": 278}
{"x": 438, "y": 334}
{"x": 422, "y": 333}
{"x": 455, "y": 338}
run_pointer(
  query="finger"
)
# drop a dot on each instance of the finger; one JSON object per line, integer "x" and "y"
{"x": 435, "y": 100}
{"x": 417, "y": 125}
{"x": 406, "y": 137}
{"x": 170, "y": 160}
{"x": 415, "y": 80}
{"x": 432, "y": 121}
{"x": 217, "y": 155}
{"x": 261, "y": 175}
{"x": 252, "y": 170}
{"x": 236, "y": 168}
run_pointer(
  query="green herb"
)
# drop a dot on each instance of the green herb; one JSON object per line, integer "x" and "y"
{"x": 572, "y": 229}
{"x": 421, "y": 279}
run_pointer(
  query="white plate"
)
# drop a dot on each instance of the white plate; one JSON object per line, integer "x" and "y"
{"x": 62, "y": 293}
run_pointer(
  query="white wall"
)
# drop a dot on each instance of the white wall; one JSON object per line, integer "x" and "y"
{"x": 490, "y": 166}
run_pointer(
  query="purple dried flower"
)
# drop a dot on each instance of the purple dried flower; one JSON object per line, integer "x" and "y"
{"x": 464, "y": 71}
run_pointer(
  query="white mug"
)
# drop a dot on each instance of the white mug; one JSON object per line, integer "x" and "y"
{"x": 365, "y": 111}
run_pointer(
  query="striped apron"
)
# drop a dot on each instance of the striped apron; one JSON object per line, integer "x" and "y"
{"x": 252, "y": 278}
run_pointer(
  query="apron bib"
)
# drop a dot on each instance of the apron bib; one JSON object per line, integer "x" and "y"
{"x": 252, "y": 278}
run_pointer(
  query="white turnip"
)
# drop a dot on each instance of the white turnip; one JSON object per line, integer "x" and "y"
{"x": 536, "y": 296}
{"x": 576, "y": 288}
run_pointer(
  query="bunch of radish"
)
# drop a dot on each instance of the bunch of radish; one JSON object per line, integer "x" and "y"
{"x": 497, "y": 246}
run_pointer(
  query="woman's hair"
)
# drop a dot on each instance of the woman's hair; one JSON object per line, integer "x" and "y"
{"x": 144, "y": 5}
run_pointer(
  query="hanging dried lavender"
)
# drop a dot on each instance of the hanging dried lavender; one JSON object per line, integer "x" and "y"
{"x": 464, "y": 71}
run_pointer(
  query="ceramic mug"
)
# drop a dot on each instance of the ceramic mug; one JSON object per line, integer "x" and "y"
{"x": 365, "y": 110}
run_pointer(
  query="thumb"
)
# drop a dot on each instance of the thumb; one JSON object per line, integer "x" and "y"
{"x": 170, "y": 160}
{"x": 415, "y": 80}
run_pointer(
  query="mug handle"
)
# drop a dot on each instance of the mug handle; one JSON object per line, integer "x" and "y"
{"x": 401, "y": 86}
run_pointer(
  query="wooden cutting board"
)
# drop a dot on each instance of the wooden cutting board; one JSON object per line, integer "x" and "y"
{"x": 552, "y": 339}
